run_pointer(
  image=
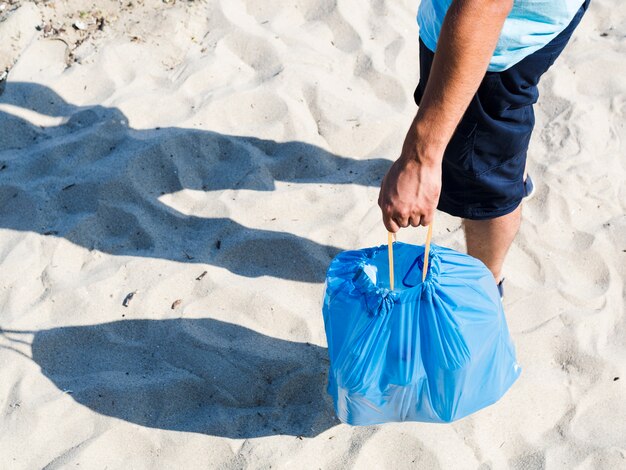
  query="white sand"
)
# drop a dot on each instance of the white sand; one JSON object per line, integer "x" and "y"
{"x": 267, "y": 127}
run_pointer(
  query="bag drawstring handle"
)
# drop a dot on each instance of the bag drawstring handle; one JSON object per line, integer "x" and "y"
{"x": 390, "y": 237}
{"x": 390, "y": 240}
{"x": 429, "y": 237}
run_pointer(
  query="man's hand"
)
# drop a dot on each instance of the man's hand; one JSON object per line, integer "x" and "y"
{"x": 410, "y": 189}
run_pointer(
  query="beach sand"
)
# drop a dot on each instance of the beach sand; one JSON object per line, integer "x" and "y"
{"x": 210, "y": 158}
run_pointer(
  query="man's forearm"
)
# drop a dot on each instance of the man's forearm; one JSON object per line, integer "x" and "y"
{"x": 468, "y": 37}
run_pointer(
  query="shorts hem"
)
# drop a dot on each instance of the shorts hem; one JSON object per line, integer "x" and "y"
{"x": 476, "y": 214}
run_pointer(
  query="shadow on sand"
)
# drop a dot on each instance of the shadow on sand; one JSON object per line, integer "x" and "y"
{"x": 90, "y": 178}
{"x": 194, "y": 375}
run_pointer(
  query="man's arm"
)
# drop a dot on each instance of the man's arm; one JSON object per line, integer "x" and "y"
{"x": 469, "y": 34}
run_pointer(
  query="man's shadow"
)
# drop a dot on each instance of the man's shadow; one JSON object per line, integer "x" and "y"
{"x": 194, "y": 375}
{"x": 90, "y": 178}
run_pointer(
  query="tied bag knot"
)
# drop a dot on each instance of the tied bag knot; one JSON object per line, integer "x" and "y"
{"x": 379, "y": 300}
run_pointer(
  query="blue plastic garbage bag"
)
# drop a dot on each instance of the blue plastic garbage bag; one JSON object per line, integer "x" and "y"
{"x": 431, "y": 351}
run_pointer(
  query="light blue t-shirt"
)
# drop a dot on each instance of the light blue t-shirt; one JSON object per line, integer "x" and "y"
{"x": 531, "y": 25}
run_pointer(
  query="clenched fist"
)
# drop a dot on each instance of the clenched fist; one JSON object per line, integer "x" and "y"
{"x": 409, "y": 194}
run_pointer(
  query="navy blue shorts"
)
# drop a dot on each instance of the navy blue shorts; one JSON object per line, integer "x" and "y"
{"x": 483, "y": 165}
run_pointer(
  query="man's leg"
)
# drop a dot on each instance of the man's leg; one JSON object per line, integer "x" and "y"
{"x": 489, "y": 240}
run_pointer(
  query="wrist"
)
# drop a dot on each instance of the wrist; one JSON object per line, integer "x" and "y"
{"x": 429, "y": 144}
